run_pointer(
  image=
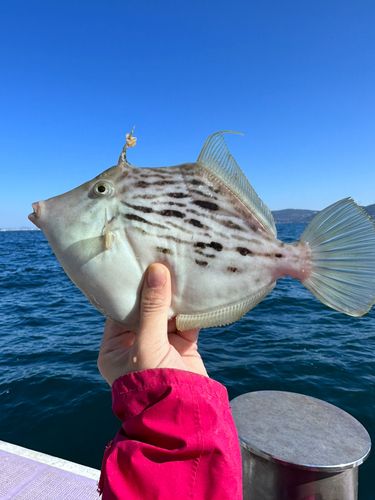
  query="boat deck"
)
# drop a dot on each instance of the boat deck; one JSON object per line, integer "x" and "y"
{"x": 30, "y": 475}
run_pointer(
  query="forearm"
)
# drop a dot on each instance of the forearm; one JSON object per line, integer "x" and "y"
{"x": 177, "y": 440}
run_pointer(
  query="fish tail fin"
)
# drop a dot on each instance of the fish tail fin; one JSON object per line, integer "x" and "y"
{"x": 342, "y": 242}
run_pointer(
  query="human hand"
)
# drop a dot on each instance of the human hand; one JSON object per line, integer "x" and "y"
{"x": 158, "y": 344}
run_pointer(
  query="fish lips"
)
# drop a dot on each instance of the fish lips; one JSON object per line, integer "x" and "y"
{"x": 35, "y": 216}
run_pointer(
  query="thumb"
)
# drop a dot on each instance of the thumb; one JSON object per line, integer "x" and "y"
{"x": 155, "y": 303}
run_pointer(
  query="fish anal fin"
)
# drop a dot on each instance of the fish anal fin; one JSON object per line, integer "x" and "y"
{"x": 216, "y": 157}
{"x": 222, "y": 317}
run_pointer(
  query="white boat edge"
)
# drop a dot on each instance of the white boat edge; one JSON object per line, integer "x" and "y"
{"x": 59, "y": 463}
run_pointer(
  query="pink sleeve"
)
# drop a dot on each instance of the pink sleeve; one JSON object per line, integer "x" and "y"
{"x": 177, "y": 440}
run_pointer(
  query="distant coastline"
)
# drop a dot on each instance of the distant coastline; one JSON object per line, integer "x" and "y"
{"x": 297, "y": 216}
{"x": 20, "y": 229}
{"x": 287, "y": 216}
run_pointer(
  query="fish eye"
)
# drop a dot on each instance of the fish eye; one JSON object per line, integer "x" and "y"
{"x": 102, "y": 189}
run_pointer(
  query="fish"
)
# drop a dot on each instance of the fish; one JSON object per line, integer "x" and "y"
{"x": 205, "y": 222}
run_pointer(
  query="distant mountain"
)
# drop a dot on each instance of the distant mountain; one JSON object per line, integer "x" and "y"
{"x": 292, "y": 215}
{"x": 370, "y": 210}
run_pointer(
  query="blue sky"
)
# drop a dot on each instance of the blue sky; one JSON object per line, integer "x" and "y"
{"x": 297, "y": 78}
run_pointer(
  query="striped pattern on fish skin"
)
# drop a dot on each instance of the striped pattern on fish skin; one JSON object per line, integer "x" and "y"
{"x": 206, "y": 223}
{"x": 218, "y": 252}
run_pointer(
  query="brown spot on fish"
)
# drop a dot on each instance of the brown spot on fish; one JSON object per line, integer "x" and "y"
{"x": 141, "y": 219}
{"x": 232, "y": 269}
{"x": 135, "y": 217}
{"x": 208, "y": 255}
{"x": 195, "y": 182}
{"x": 163, "y": 183}
{"x": 141, "y": 184}
{"x": 201, "y": 263}
{"x": 232, "y": 225}
{"x": 144, "y": 184}
{"x": 253, "y": 227}
{"x": 214, "y": 190}
{"x": 172, "y": 213}
{"x": 164, "y": 250}
{"x": 179, "y": 227}
{"x": 143, "y": 196}
{"x": 195, "y": 222}
{"x": 172, "y": 238}
{"x": 177, "y": 195}
{"x": 216, "y": 246}
{"x": 244, "y": 251}
{"x": 278, "y": 255}
{"x": 206, "y": 204}
{"x": 152, "y": 175}
{"x": 140, "y": 230}
{"x": 140, "y": 208}
{"x": 174, "y": 203}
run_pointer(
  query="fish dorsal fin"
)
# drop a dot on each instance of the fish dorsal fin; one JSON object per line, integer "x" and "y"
{"x": 216, "y": 157}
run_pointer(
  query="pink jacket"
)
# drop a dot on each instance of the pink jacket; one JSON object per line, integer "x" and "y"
{"x": 177, "y": 441}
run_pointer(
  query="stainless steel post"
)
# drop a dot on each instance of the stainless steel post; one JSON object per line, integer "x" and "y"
{"x": 296, "y": 447}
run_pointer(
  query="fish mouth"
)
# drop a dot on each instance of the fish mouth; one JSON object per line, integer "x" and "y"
{"x": 33, "y": 217}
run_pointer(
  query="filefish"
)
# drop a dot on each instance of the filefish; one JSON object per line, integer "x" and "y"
{"x": 205, "y": 222}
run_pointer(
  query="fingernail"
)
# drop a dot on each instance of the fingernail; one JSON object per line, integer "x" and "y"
{"x": 156, "y": 276}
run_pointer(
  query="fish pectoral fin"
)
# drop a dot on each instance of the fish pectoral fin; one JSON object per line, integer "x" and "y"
{"x": 222, "y": 317}
{"x": 108, "y": 235}
{"x": 216, "y": 157}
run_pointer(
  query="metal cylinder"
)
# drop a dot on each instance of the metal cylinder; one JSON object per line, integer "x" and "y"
{"x": 296, "y": 447}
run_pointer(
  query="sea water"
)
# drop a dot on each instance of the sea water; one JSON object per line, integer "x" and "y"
{"x": 52, "y": 398}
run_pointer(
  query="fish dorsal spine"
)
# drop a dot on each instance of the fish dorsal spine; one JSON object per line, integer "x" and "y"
{"x": 130, "y": 143}
{"x": 216, "y": 157}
